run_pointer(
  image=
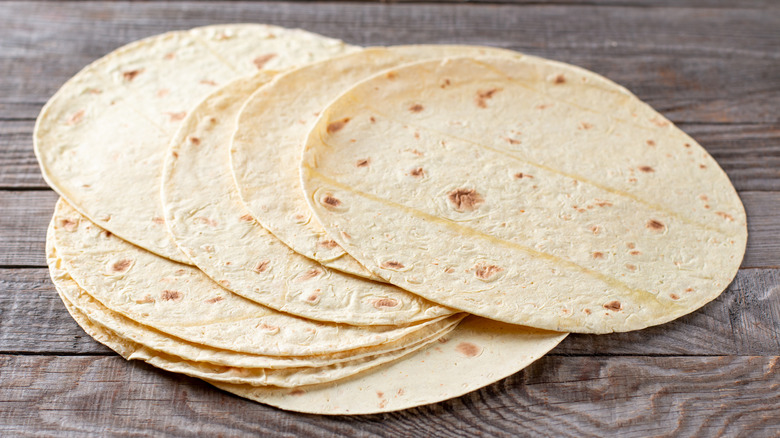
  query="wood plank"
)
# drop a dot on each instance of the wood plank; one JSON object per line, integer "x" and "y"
{"x": 714, "y": 65}
{"x": 556, "y": 396}
{"x": 750, "y": 154}
{"x": 26, "y": 215}
{"x": 744, "y": 320}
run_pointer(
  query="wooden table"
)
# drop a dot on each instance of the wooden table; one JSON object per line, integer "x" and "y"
{"x": 712, "y": 67}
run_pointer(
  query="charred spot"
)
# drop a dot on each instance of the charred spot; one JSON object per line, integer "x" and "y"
{"x": 646, "y": 169}
{"x": 650, "y": 142}
{"x": 604, "y": 204}
{"x": 69, "y": 224}
{"x": 690, "y": 289}
{"x": 372, "y": 119}
{"x": 465, "y": 199}
{"x": 262, "y": 60}
{"x": 385, "y": 302}
{"x": 417, "y": 173}
{"x": 445, "y": 83}
{"x": 391, "y": 75}
{"x": 194, "y": 140}
{"x": 107, "y": 234}
{"x": 702, "y": 166}
{"x": 130, "y": 75}
{"x": 328, "y": 243}
{"x": 598, "y": 255}
{"x": 76, "y": 117}
{"x": 511, "y": 140}
{"x": 725, "y": 215}
{"x": 297, "y": 392}
{"x": 560, "y": 79}
{"x": 175, "y": 154}
{"x": 485, "y": 272}
{"x": 614, "y": 306}
{"x": 521, "y": 175}
{"x": 449, "y": 270}
{"x": 392, "y": 265}
{"x": 261, "y": 266}
{"x": 587, "y": 311}
{"x": 121, "y": 265}
{"x": 331, "y": 201}
{"x": 655, "y": 225}
{"x": 247, "y": 218}
{"x": 468, "y": 349}
{"x": 635, "y": 253}
{"x": 337, "y": 125}
{"x": 674, "y": 296}
{"x": 311, "y": 273}
{"x": 483, "y": 96}
{"x": 380, "y": 394}
{"x": 363, "y": 162}
{"x": 171, "y": 295}
{"x": 214, "y": 300}
{"x": 416, "y": 108}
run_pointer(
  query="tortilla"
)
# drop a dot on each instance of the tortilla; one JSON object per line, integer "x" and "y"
{"x": 527, "y": 191}
{"x": 210, "y": 224}
{"x": 181, "y": 301}
{"x": 101, "y": 139}
{"x": 266, "y": 147}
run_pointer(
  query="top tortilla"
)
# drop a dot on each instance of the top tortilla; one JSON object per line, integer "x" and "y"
{"x": 528, "y": 191}
{"x": 101, "y": 139}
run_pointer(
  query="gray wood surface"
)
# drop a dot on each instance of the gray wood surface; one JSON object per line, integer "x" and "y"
{"x": 711, "y": 66}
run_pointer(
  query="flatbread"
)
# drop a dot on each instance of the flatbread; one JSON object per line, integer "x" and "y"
{"x": 527, "y": 191}
{"x": 101, "y": 139}
{"x": 210, "y": 224}
{"x": 181, "y": 301}
{"x": 266, "y": 147}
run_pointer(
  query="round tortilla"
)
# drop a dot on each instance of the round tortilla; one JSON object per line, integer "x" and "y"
{"x": 527, "y": 191}
{"x": 266, "y": 147}
{"x": 210, "y": 224}
{"x": 181, "y": 301}
{"x": 101, "y": 139}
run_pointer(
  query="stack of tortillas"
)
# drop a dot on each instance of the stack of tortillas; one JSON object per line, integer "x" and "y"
{"x": 308, "y": 224}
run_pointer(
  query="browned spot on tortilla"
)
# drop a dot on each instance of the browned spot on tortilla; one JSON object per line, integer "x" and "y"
{"x": 392, "y": 265}
{"x": 687, "y": 145}
{"x": 169, "y": 56}
{"x": 486, "y": 271}
{"x": 445, "y": 83}
{"x": 658, "y": 122}
{"x": 328, "y": 243}
{"x": 598, "y": 255}
{"x": 247, "y": 218}
{"x": 674, "y": 296}
{"x": 521, "y": 175}
{"x": 391, "y": 75}
{"x": 208, "y": 82}
{"x": 145, "y": 300}
{"x": 205, "y": 221}
{"x": 595, "y": 229}
{"x": 345, "y": 235}
{"x": 655, "y": 225}
{"x": 725, "y": 215}
{"x": 543, "y": 106}
{"x": 400, "y": 392}
{"x": 94, "y": 91}
{"x": 214, "y": 300}
{"x": 635, "y": 252}
{"x": 121, "y": 265}
{"x": 418, "y": 153}
{"x": 383, "y": 403}
{"x": 587, "y": 311}
{"x": 169, "y": 295}
{"x": 631, "y": 245}
{"x": 163, "y": 92}
{"x": 465, "y": 199}
{"x": 311, "y": 273}
{"x": 701, "y": 166}
{"x": 417, "y": 135}
{"x": 604, "y": 203}
{"x": 330, "y": 200}
{"x": 194, "y": 140}
{"x": 260, "y": 61}
{"x": 614, "y": 306}
{"x": 380, "y": 394}
{"x": 314, "y": 296}
{"x": 630, "y": 267}
{"x": 707, "y": 206}
{"x": 130, "y": 75}
{"x": 560, "y": 79}
{"x": 261, "y": 266}
{"x": 175, "y": 154}
{"x": 449, "y": 270}
{"x": 224, "y": 283}
{"x": 385, "y": 302}
{"x": 297, "y": 392}
{"x": 107, "y": 233}
{"x": 337, "y": 126}
{"x": 373, "y": 119}
{"x": 632, "y": 180}
{"x": 416, "y": 108}
{"x": 175, "y": 117}
{"x": 704, "y": 197}
{"x": 417, "y": 173}
{"x": 646, "y": 169}
{"x": 468, "y": 349}
{"x": 690, "y": 289}
{"x": 158, "y": 221}
{"x": 483, "y": 96}
{"x": 650, "y": 142}
{"x": 75, "y": 118}
{"x": 363, "y": 162}
{"x": 584, "y": 126}
{"x": 511, "y": 140}
{"x": 69, "y": 224}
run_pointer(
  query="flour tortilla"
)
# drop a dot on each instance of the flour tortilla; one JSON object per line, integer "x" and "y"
{"x": 153, "y": 339}
{"x": 285, "y": 377}
{"x": 101, "y": 139}
{"x": 477, "y": 353}
{"x": 526, "y": 191}
{"x": 210, "y": 224}
{"x": 266, "y": 147}
{"x": 181, "y": 301}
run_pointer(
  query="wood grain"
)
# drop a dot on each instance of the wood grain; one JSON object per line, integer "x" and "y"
{"x": 556, "y": 396}
{"x": 26, "y": 215}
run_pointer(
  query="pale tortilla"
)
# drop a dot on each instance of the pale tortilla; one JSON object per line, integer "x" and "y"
{"x": 101, "y": 139}
{"x": 527, "y": 191}
{"x": 210, "y": 224}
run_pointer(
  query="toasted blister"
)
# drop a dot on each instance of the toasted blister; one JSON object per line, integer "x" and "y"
{"x": 524, "y": 190}
{"x": 210, "y": 224}
{"x": 266, "y": 147}
{"x": 102, "y": 137}
{"x": 180, "y": 301}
